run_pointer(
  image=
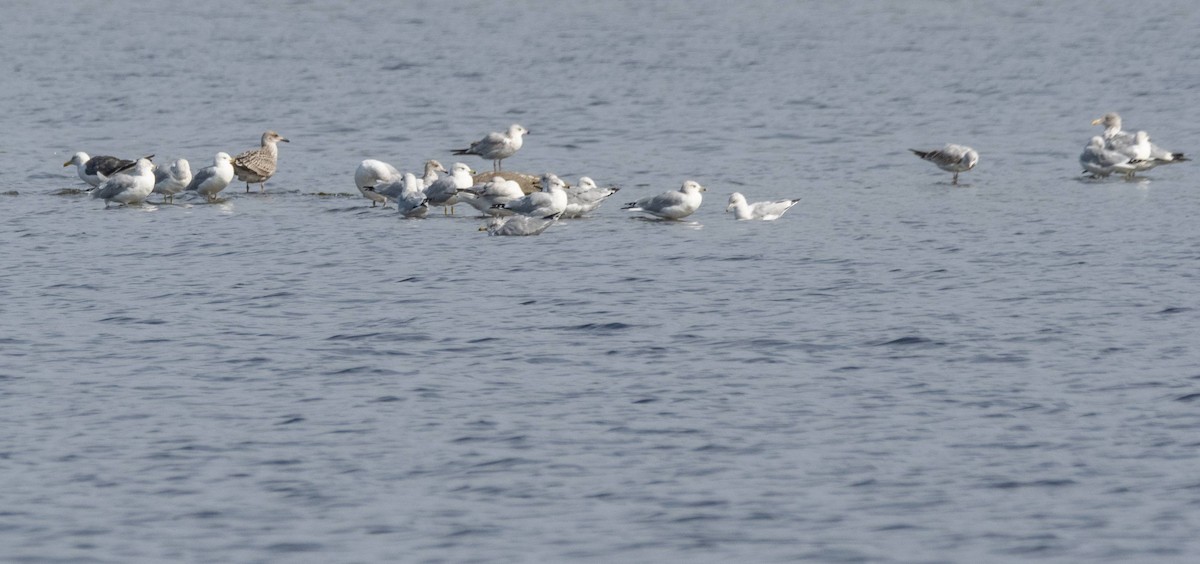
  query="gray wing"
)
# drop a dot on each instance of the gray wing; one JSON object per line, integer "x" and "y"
{"x": 201, "y": 177}
{"x": 391, "y": 189}
{"x": 945, "y": 157}
{"x": 661, "y": 201}
{"x": 1119, "y": 142}
{"x": 441, "y": 191}
{"x": 529, "y": 203}
{"x": 113, "y": 186}
{"x": 493, "y": 143}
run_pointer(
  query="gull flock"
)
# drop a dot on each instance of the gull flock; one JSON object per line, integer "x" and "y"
{"x": 529, "y": 209}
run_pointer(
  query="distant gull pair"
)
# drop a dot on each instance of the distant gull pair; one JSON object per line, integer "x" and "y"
{"x": 1121, "y": 152}
{"x": 951, "y": 158}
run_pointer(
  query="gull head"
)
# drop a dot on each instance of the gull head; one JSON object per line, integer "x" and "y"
{"x": 434, "y": 165}
{"x": 460, "y": 168}
{"x": 550, "y": 180}
{"x": 144, "y": 165}
{"x": 692, "y": 186}
{"x": 1108, "y": 120}
{"x": 78, "y": 159}
{"x": 735, "y": 199}
{"x": 515, "y": 130}
{"x": 1097, "y": 142}
{"x": 222, "y": 158}
{"x": 272, "y": 137}
{"x": 181, "y": 167}
{"x": 586, "y": 183}
{"x": 1141, "y": 137}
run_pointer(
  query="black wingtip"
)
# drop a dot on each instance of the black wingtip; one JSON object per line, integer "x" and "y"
{"x": 459, "y": 151}
{"x": 919, "y": 153}
{"x": 1179, "y": 157}
{"x": 628, "y": 205}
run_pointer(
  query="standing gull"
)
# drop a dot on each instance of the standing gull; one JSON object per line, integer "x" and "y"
{"x": 258, "y": 165}
{"x": 497, "y": 146}
{"x": 372, "y": 173}
{"x": 210, "y": 180}
{"x": 95, "y": 170}
{"x": 444, "y": 192}
{"x": 128, "y": 187}
{"x": 766, "y": 211}
{"x": 407, "y": 194}
{"x": 586, "y": 197}
{"x": 677, "y": 204}
{"x": 171, "y": 180}
{"x": 551, "y": 201}
{"x": 951, "y": 158}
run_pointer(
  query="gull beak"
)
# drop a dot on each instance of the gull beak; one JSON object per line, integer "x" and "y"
{"x": 1097, "y": 121}
{"x": 68, "y": 163}
{"x": 284, "y": 139}
{"x": 482, "y": 228}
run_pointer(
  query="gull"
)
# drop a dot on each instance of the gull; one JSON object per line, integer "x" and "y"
{"x": 677, "y": 204}
{"x": 1117, "y": 140}
{"x": 171, "y": 180}
{"x": 1101, "y": 162}
{"x": 586, "y": 197}
{"x": 497, "y": 146}
{"x": 407, "y": 194}
{"x": 484, "y": 197}
{"x": 371, "y": 173}
{"x": 551, "y": 201}
{"x": 432, "y": 167}
{"x": 258, "y": 165}
{"x": 519, "y": 225}
{"x": 951, "y": 158}
{"x": 210, "y": 180}
{"x": 444, "y": 192}
{"x": 125, "y": 188}
{"x": 766, "y": 211}
{"x": 95, "y": 170}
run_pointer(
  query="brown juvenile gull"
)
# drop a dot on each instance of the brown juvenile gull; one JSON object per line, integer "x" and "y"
{"x": 497, "y": 146}
{"x": 258, "y": 165}
{"x": 951, "y": 158}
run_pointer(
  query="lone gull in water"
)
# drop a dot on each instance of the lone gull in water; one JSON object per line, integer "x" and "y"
{"x": 258, "y": 165}
{"x": 372, "y": 173}
{"x": 172, "y": 179}
{"x": 95, "y": 170}
{"x": 586, "y": 197}
{"x": 518, "y": 225}
{"x": 951, "y": 158}
{"x": 128, "y": 187}
{"x": 765, "y": 211}
{"x": 444, "y": 192}
{"x": 551, "y": 201}
{"x": 210, "y": 180}
{"x": 497, "y": 146}
{"x": 1146, "y": 155}
{"x": 677, "y": 204}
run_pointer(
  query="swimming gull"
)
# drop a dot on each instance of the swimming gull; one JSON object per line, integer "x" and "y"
{"x": 586, "y": 197}
{"x": 407, "y": 194}
{"x": 766, "y": 211}
{"x": 444, "y": 192}
{"x": 1100, "y": 161}
{"x": 484, "y": 197}
{"x": 128, "y": 187}
{"x": 95, "y": 170}
{"x": 677, "y": 204}
{"x": 1117, "y": 140}
{"x": 371, "y": 173}
{"x": 172, "y": 179}
{"x": 258, "y": 165}
{"x": 551, "y": 201}
{"x": 518, "y": 225}
{"x": 210, "y": 180}
{"x": 951, "y": 158}
{"x": 497, "y": 146}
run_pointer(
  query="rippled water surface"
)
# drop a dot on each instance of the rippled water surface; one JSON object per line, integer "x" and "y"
{"x": 899, "y": 370}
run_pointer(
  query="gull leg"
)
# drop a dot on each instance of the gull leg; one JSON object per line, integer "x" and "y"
{"x": 262, "y": 187}
{"x": 955, "y": 182}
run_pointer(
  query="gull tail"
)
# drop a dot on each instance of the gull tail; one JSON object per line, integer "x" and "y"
{"x": 461, "y": 152}
{"x": 922, "y": 154}
{"x": 1179, "y": 157}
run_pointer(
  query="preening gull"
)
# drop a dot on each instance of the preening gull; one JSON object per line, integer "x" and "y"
{"x": 551, "y": 201}
{"x": 951, "y": 158}
{"x": 766, "y": 211}
{"x": 1117, "y": 140}
{"x": 586, "y": 197}
{"x": 1100, "y": 161}
{"x": 497, "y": 146}
{"x": 128, "y": 187}
{"x": 484, "y": 197}
{"x": 519, "y": 225}
{"x": 677, "y": 204}
{"x": 444, "y": 192}
{"x": 407, "y": 194}
{"x": 210, "y": 180}
{"x": 258, "y": 165}
{"x": 95, "y": 170}
{"x": 172, "y": 179}
{"x": 371, "y": 173}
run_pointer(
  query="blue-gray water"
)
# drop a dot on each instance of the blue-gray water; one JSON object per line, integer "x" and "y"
{"x": 897, "y": 371}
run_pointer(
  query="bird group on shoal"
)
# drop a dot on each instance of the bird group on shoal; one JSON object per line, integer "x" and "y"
{"x": 524, "y": 205}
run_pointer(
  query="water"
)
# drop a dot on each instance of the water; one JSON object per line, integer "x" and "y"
{"x": 897, "y": 371}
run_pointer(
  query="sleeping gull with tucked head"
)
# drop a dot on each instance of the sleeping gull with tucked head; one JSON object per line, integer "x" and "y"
{"x": 586, "y": 197}
{"x": 1100, "y": 161}
{"x": 371, "y": 173}
{"x": 128, "y": 187}
{"x": 951, "y": 158}
{"x": 497, "y": 146}
{"x": 671, "y": 205}
{"x": 171, "y": 180}
{"x": 210, "y": 180}
{"x": 765, "y": 211}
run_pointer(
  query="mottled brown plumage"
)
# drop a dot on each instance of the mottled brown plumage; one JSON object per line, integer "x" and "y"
{"x": 258, "y": 165}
